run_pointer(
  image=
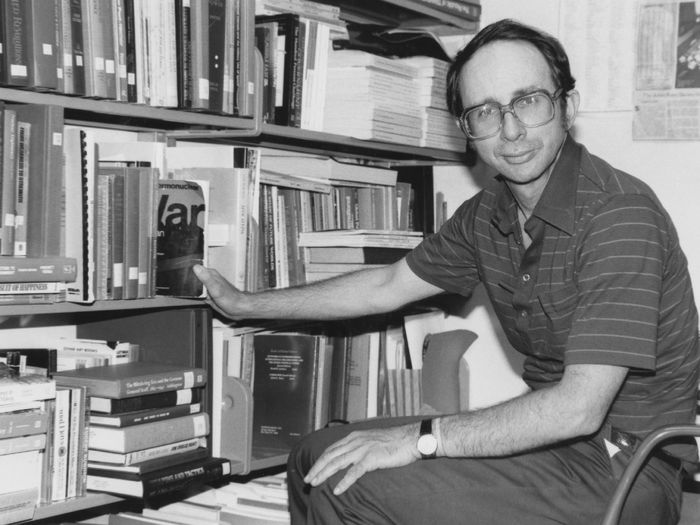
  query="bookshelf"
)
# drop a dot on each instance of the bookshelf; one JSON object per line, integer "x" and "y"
{"x": 191, "y": 343}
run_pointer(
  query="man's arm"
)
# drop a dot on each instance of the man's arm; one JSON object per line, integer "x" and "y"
{"x": 366, "y": 292}
{"x": 574, "y": 407}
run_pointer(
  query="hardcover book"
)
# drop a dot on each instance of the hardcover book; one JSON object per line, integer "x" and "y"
{"x": 161, "y": 482}
{"x": 23, "y": 269}
{"x": 133, "y": 379}
{"x": 147, "y": 454}
{"x": 20, "y": 389}
{"x": 285, "y": 387}
{"x": 148, "y": 435}
{"x": 127, "y": 419}
{"x": 24, "y": 419}
{"x": 171, "y": 398}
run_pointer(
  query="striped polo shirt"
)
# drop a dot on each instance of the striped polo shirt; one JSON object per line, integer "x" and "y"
{"x": 604, "y": 281}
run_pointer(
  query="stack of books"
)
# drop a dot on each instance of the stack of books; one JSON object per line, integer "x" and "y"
{"x": 25, "y": 420}
{"x": 371, "y": 97}
{"x": 260, "y": 501}
{"x": 147, "y": 430}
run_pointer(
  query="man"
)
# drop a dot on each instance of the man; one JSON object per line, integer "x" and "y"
{"x": 584, "y": 269}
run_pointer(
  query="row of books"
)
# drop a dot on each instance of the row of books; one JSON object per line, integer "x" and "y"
{"x": 302, "y": 381}
{"x": 168, "y": 53}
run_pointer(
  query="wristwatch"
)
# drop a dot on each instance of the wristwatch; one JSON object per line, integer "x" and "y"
{"x": 427, "y": 442}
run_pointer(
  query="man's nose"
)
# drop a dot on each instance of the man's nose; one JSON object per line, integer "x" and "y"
{"x": 512, "y": 128}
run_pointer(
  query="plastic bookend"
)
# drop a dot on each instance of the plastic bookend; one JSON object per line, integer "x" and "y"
{"x": 443, "y": 371}
{"x": 236, "y": 424}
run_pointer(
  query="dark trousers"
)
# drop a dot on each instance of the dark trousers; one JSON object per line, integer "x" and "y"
{"x": 567, "y": 484}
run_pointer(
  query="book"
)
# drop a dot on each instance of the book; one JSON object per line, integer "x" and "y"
{"x": 147, "y": 454}
{"x": 23, "y": 269}
{"x": 173, "y": 479}
{"x": 148, "y": 435}
{"x": 354, "y": 255}
{"x": 22, "y": 173}
{"x": 284, "y": 388}
{"x": 133, "y": 379}
{"x": 60, "y": 436}
{"x": 30, "y": 387}
{"x": 24, "y": 419}
{"x": 13, "y": 445}
{"x": 7, "y": 200}
{"x": 44, "y": 181}
{"x": 126, "y": 419}
{"x": 326, "y": 168}
{"x": 154, "y": 464}
{"x": 170, "y": 398}
{"x": 32, "y": 287}
{"x": 43, "y": 49}
{"x": 25, "y": 468}
{"x": 181, "y": 237}
{"x": 15, "y": 55}
{"x": 361, "y": 238}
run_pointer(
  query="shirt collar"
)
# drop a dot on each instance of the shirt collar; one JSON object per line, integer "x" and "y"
{"x": 557, "y": 203}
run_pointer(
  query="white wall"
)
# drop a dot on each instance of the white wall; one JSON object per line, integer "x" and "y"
{"x": 671, "y": 168}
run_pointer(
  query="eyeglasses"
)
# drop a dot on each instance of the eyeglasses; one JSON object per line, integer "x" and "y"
{"x": 532, "y": 110}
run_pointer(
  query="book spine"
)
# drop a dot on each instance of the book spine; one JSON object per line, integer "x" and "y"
{"x": 23, "y": 423}
{"x": 32, "y": 287}
{"x": 21, "y": 181}
{"x": 18, "y": 444}
{"x": 42, "y": 47}
{"x": 207, "y": 472}
{"x": 132, "y": 219}
{"x": 16, "y": 44}
{"x": 130, "y": 51}
{"x": 157, "y": 433}
{"x": 184, "y": 53}
{"x": 65, "y": 54}
{"x": 136, "y": 418}
{"x": 158, "y": 400}
{"x": 217, "y": 53}
{"x": 78, "y": 47}
{"x": 199, "y": 17}
{"x": 60, "y": 443}
{"x": 7, "y": 204}
{"x": 77, "y": 401}
{"x": 119, "y": 27}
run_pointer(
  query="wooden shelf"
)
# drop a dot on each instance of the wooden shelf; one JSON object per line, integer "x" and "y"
{"x": 99, "y": 112}
{"x": 97, "y": 306}
{"x": 91, "y": 500}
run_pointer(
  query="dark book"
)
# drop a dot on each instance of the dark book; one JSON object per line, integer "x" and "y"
{"x": 44, "y": 184}
{"x": 337, "y": 407}
{"x": 130, "y": 50}
{"x": 217, "y": 53}
{"x": 21, "y": 173}
{"x": 183, "y": 49}
{"x": 148, "y": 435}
{"x": 354, "y": 254}
{"x": 132, "y": 222}
{"x": 264, "y": 42}
{"x": 133, "y": 379}
{"x": 43, "y": 49}
{"x": 40, "y": 361}
{"x": 284, "y": 388}
{"x": 78, "y": 48}
{"x": 117, "y": 192}
{"x": 15, "y": 18}
{"x": 180, "y": 245}
{"x": 161, "y": 400}
{"x": 126, "y": 419}
{"x": 244, "y": 59}
{"x": 173, "y": 479}
{"x": 36, "y": 269}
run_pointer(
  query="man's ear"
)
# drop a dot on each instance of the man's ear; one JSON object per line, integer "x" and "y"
{"x": 573, "y": 100}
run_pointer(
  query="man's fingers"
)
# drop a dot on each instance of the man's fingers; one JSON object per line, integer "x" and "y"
{"x": 351, "y": 476}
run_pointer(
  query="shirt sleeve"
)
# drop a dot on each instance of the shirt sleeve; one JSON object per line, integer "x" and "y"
{"x": 619, "y": 277}
{"x": 447, "y": 258}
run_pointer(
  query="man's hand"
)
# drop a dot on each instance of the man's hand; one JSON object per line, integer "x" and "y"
{"x": 222, "y": 295}
{"x": 364, "y": 451}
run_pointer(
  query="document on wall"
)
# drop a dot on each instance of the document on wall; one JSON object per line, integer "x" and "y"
{"x": 598, "y": 36}
{"x": 667, "y": 72}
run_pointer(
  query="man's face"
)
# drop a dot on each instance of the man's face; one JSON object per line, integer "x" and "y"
{"x": 498, "y": 72}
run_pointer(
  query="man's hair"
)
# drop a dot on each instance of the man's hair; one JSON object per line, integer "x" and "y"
{"x": 551, "y": 49}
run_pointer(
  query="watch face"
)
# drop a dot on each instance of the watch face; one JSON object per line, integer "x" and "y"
{"x": 427, "y": 444}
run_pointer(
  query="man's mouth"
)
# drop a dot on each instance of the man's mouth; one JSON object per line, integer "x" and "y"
{"x": 519, "y": 157}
